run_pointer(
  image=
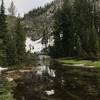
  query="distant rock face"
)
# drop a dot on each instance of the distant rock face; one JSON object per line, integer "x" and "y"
{"x": 40, "y": 20}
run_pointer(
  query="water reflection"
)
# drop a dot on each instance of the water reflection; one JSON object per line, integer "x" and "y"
{"x": 65, "y": 83}
{"x": 73, "y": 83}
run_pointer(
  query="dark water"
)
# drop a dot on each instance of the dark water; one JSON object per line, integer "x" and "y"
{"x": 52, "y": 81}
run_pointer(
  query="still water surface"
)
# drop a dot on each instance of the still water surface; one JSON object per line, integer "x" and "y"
{"x": 53, "y": 81}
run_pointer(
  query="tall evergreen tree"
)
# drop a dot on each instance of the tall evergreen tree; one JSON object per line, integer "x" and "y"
{"x": 57, "y": 48}
{"x": 20, "y": 41}
{"x": 63, "y": 34}
{"x": 11, "y": 49}
{"x": 67, "y": 28}
{"x": 3, "y": 32}
{"x": 84, "y": 24}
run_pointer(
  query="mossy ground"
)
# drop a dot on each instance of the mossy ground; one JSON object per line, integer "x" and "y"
{"x": 74, "y": 61}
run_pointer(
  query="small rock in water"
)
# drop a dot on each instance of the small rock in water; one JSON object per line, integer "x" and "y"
{"x": 51, "y": 92}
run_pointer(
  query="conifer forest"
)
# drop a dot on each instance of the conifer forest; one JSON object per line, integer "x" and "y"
{"x": 50, "y": 50}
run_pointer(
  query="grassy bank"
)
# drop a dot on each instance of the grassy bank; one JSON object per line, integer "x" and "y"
{"x": 76, "y": 62}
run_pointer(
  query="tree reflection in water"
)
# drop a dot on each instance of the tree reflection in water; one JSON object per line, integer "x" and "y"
{"x": 68, "y": 83}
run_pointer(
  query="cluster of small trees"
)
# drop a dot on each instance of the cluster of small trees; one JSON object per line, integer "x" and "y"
{"x": 76, "y": 30}
{"x": 38, "y": 11}
{"x": 12, "y": 46}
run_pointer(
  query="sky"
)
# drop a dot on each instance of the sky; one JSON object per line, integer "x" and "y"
{"x": 23, "y": 6}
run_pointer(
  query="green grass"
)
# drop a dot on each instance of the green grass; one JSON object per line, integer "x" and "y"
{"x": 75, "y": 61}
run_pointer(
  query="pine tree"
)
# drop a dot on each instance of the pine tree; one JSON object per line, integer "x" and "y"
{"x": 11, "y": 49}
{"x": 20, "y": 41}
{"x": 3, "y": 24}
{"x": 93, "y": 42}
{"x": 57, "y": 48}
{"x": 85, "y": 26}
{"x": 3, "y": 32}
{"x": 67, "y": 28}
{"x": 63, "y": 31}
{"x": 81, "y": 20}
